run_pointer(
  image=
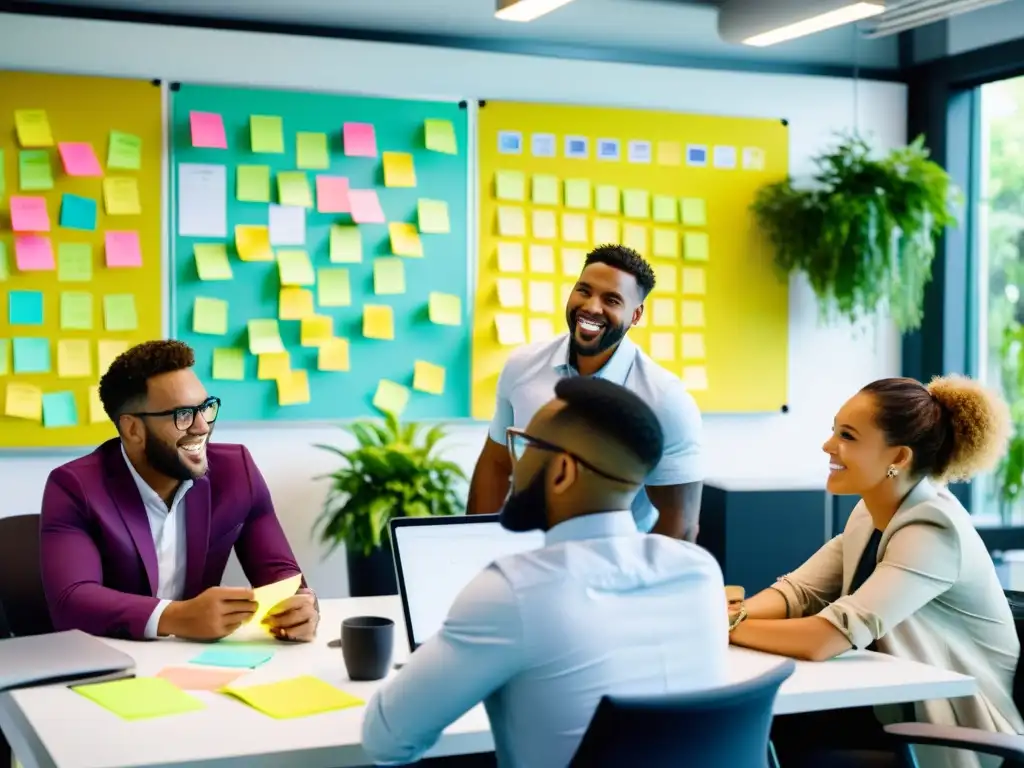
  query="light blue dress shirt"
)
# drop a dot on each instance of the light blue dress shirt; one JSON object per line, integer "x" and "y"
{"x": 527, "y": 382}
{"x": 540, "y": 637}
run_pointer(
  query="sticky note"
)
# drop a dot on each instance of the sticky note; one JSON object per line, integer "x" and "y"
{"x": 669, "y": 153}
{"x": 233, "y": 657}
{"x": 293, "y": 388}
{"x": 693, "y": 314}
{"x": 364, "y": 206}
{"x": 663, "y": 347}
{"x": 293, "y": 189}
{"x": 33, "y": 253}
{"x": 567, "y": 290}
{"x": 311, "y": 151}
{"x": 510, "y": 257}
{"x": 332, "y": 194}
{"x": 28, "y": 214}
{"x": 34, "y": 171}
{"x": 666, "y": 210}
{"x": 695, "y": 377}
{"x": 76, "y": 311}
{"x": 79, "y": 159}
{"x": 428, "y": 377}
{"x": 511, "y": 222}
{"x": 5, "y": 356}
{"x": 294, "y": 304}
{"x": 119, "y": 312}
{"x": 433, "y": 216}
{"x": 439, "y": 136}
{"x": 510, "y": 185}
{"x": 510, "y": 293}
{"x": 388, "y": 276}
{"x": 269, "y": 596}
{"x": 298, "y": 697}
{"x": 287, "y": 224}
{"x": 207, "y": 130}
{"x": 399, "y": 170}
{"x": 542, "y": 297}
{"x": 228, "y": 364}
{"x": 390, "y": 397}
{"x": 333, "y": 355}
{"x": 31, "y": 355}
{"x": 405, "y": 240}
{"x": 606, "y": 231}
{"x": 378, "y": 322}
{"x": 74, "y": 360}
{"x": 121, "y": 196}
{"x": 334, "y": 287}
{"x": 635, "y": 236}
{"x": 693, "y": 346}
{"x": 209, "y": 316}
{"x": 359, "y": 140}
{"x": 3, "y": 173}
{"x": 252, "y": 184}
{"x": 59, "y": 409}
{"x": 666, "y": 278}
{"x": 199, "y": 679}
{"x": 666, "y": 243}
{"x": 540, "y": 329}
{"x": 25, "y": 307}
{"x": 264, "y": 336}
{"x": 573, "y": 260}
{"x": 23, "y": 401}
{"x": 316, "y": 330}
{"x": 545, "y": 190}
{"x": 211, "y": 261}
{"x": 542, "y": 260}
{"x": 510, "y": 329}
{"x": 577, "y": 193}
{"x": 544, "y": 225}
{"x": 124, "y": 151}
{"x": 78, "y": 212}
{"x": 636, "y": 204}
{"x": 294, "y": 267}
{"x": 444, "y": 308}
{"x": 606, "y": 199}
{"x": 5, "y": 267}
{"x": 108, "y": 350}
{"x": 694, "y": 281}
{"x": 574, "y": 228}
{"x": 271, "y": 366}
{"x": 663, "y": 313}
{"x": 253, "y": 243}
{"x": 96, "y": 413}
{"x": 33, "y": 128}
{"x": 123, "y": 249}
{"x": 266, "y": 134}
{"x": 695, "y": 246}
{"x": 694, "y": 211}
{"x": 346, "y": 244}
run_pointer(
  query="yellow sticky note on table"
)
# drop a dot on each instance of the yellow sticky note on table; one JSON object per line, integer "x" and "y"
{"x": 210, "y": 316}
{"x": 399, "y": 170}
{"x": 663, "y": 346}
{"x": 695, "y": 212}
{"x": 121, "y": 196}
{"x": 695, "y": 377}
{"x": 264, "y": 336}
{"x": 444, "y": 308}
{"x": 663, "y": 313}
{"x": 693, "y": 314}
{"x": 378, "y": 322}
{"x": 271, "y": 366}
{"x": 694, "y": 281}
{"x": 542, "y": 260}
{"x": 294, "y": 304}
{"x": 388, "y": 276}
{"x": 140, "y": 698}
{"x": 636, "y": 204}
{"x": 74, "y": 360}
{"x": 439, "y": 136}
{"x": 266, "y": 134}
{"x": 33, "y": 128}
{"x": 577, "y": 193}
{"x": 107, "y": 351}
{"x": 405, "y": 240}
{"x": 510, "y": 185}
{"x": 432, "y": 216}
{"x": 293, "y": 189}
{"x": 510, "y": 329}
{"x": 333, "y": 287}
{"x": 695, "y": 246}
{"x": 573, "y": 260}
{"x": 298, "y": 697}
{"x": 24, "y": 401}
{"x": 545, "y": 225}
{"x": 391, "y": 397}
{"x": 607, "y": 199}
{"x": 96, "y": 413}
{"x": 511, "y": 222}
{"x": 510, "y": 257}
{"x": 212, "y": 261}
{"x": 333, "y": 355}
{"x": 574, "y": 227}
{"x": 316, "y": 330}
{"x": 666, "y": 243}
{"x": 269, "y": 596}
{"x": 666, "y": 278}
{"x": 510, "y": 292}
{"x": 545, "y": 190}
{"x": 228, "y": 364}
{"x": 428, "y": 377}
{"x": 311, "y": 151}
{"x": 346, "y": 245}
{"x": 666, "y": 209}
{"x": 294, "y": 267}
{"x": 253, "y": 184}
{"x": 606, "y": 231}
{"x": 635, "y": 236}
{"x": 253, "y": 243}
{"x": 669, "y": 153}
{"x": 693, "y": 346}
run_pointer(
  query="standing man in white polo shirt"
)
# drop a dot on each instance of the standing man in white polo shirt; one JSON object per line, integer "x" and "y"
{"x": 607, "y": 301}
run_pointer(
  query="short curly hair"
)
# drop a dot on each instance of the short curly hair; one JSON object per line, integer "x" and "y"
{"x": 626, "y": 259}
{"x": 955, "y": 426}
{"x": 125, "y": 381}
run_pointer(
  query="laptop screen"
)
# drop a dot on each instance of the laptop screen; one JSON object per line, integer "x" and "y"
{"x": 438, "y": 561}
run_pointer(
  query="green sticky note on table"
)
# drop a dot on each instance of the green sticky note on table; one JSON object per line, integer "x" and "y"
{"x": 140, "y": 698}
{"x": 695, "y": 246}
{"x": 444, "y": 308}
{"x": 346, "y": 245}
{"x": 210, "y": 316}
{"x": 253, "y": 184}
{"x": 59, "y": 409}
{"x": 212, "y": 261}
{"x": 636, "y": 203}
{"x": 311, "y": 151}
{"x": 34, "y": 171}
{"x": 119, "y": 313}
{"x": 545, "y": 190}
{"x": 577, "y": 193}
{"x": 298, "y": 697}
{"x": 234, "y": 657}
{"x": 666, "y": 210}
{"x": 124, "y": 151}
{"x": 433, "y": 217}
{"x": 510, "y": 185}
{"x": 391, "y": 397}
{"x": 31, "y": 355}
{"x": 75, "y": 311}
{"x": 439, "y": 136}
{"x": 229, "y": 364}
{"x": 695, "y": 213}
{"x": 266, "y": 133}
{"x": 74, "y": 262}
{"x": 607, "y": 199}
{"x": 388, "y": 276}
{"x": 333, "y": 287}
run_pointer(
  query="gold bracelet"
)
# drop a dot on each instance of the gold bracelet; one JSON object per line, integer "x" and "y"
{"x": 739, "y": 618}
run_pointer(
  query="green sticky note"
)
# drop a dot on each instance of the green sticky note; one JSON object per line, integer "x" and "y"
{"x": 59, "y": 409}
{"x": 264, "y": 336}
{"x": 294, "y": 267}
{"x": 636, "y": 203}
{"x": 266, "y": 134}
{"x": 346, "y": 244}
{"x": 212, "y": 261}
{"x": 577, "y": 193}
{"x": 74, "y": 262}
{"x": 510, "y": 185}
{"x": 75, "y": 311}
{"x": 311, "y": 151}
{"x": 229, "y": 364}
{"x": 253, "y": 184}
{"x": 433, "y": 217}
{"x": 119, "y": 312}
{"x": 388, "y": 276}
{"x": 391, "y": 397}
{"x": 695, "y": 213}
{"x": 333, "y": 287}
{"x": 124, "y": 151}
{"x": 293, "y": 189}
{"x": 444, "y": 308}
{"x": 545, "y": 190}
{"x": 440, "y": 136}
{"x": 607, "y": 199}
{"x": 210, "y": 316}
{"x": 5, "y": 356}
{"x": 140, "y": 698}
{"x": 31, "y": 355}
{"x": 34, "y": 170}
{"x": 5, "y": 267}
{"x": 665, "y": 209}
{"x": 695, "y": 246}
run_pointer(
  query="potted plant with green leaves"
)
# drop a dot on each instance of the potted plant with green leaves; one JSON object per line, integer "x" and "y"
{"x": 863, "y": 229}
{"x": 394, "y": 470}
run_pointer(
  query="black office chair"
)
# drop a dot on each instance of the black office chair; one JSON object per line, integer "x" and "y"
{"x": 21, "y": 584}
{"x": 1008, "y": 746}
{"x": 722, "y": 728}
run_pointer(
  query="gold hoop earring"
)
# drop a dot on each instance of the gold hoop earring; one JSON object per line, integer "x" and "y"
{"x": 891, "y": 472}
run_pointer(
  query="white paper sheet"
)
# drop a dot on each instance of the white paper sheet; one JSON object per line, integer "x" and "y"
{"x": 202, "y": 200}
{"x": 287, "y": 225}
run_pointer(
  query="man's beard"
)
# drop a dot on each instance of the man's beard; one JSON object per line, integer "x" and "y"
{"x": 526, "y": 510}
{"x": 610, "y": 336}
{"x": 166, "y": 460}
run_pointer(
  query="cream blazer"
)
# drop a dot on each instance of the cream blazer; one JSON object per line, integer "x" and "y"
{"x": 934, "y": 597}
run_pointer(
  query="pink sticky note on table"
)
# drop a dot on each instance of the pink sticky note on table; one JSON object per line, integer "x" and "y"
{"x": 198, "y": 679}
{"x": 360, "y": 140}
{"x": 365, "y": 206}
{"x": 79, "y": 159}
{"x": 332, "y": 194}
{"x": 28, "y": 214}
{"x": 123, "y": 249}
{"x": 208, "y": 130}
{"x": 33, "y": 253}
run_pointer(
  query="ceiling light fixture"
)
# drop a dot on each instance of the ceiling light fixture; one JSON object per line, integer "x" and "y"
{"x": 526, "y": 10}
{"x": 759, "y": 23}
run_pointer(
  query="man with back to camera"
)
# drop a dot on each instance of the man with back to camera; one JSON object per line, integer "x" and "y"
{"x": 607, "y": 301}
{"x": 601, "y": 609}
{"x": 135, "y": 536}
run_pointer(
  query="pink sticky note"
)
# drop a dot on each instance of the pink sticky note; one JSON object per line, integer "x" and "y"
{"x": 33, "y": 253}
{"x": 359, "y": 140}
{"x": 332, "y": 194}
{"x": 198, "y": 679}
{"x": 123, "y": 249}
{"x": 365, "y": 206}
{"x": 79, "y": 159}
{"x": 208, "y": 130}
{"x": 28, "y": 214}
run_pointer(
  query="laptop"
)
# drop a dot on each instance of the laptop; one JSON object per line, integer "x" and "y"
{"x": 436, "y": 557}
{"x": 60, "y": 657}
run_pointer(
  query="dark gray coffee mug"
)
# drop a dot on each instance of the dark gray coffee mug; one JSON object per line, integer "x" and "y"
{"x": 367, "y": 644}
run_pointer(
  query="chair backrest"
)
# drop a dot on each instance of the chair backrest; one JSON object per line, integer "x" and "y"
{"x": 1016, "y": 601}
{"x": 726, "y": 726}
{"x": 21, "y": 585}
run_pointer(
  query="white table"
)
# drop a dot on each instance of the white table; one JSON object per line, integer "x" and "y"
{"x": 53, "y": 726}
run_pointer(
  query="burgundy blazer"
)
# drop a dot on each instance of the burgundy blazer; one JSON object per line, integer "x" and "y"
{"x": 99, "y": 563}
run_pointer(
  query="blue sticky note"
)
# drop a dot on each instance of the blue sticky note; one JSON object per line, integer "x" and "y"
{"x": 59, "y": 409}
{"x": 31, "y": 355}
{"x": 78, "y": 212}
{"x": 25, "y": 308}
{"x": 238, "y": 658}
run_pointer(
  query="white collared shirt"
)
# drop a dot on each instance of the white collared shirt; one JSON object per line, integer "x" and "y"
{"x": 168, "y": 528}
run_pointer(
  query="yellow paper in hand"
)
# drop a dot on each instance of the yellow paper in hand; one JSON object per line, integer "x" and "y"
{"x": 298, "y": 697}
{"x": 269, "y": 596}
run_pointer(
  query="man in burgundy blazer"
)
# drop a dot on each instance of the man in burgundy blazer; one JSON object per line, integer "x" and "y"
{"x": 135, "y": 536}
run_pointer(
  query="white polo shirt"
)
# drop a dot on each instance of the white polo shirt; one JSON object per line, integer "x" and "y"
{"x": 527, "y": 383}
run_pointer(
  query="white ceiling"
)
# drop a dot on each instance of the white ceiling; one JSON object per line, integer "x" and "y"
{"x": 666, "y": 27}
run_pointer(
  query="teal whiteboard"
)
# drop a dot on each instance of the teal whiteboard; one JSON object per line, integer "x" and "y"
{"x": 253, "y": 291}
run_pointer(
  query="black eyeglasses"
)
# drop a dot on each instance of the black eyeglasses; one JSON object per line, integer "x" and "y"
{"x": 185, "y": 416}
{"x": 518, "y": 441}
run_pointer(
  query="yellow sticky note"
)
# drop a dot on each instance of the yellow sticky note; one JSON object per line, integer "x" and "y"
{"x": 405, "y": 240}
{"x": 694, "y": 281}
{"x": 333, "y": 355}
{"x": 635, "y": 236}
{"x": 121, "y": 196}
{"x": 210, "y": 316}
{"x": 388, "y": 276}
{"x": 544, "y": 225}
{"x": 264, "y": 337}
{"x": 666, "y": 278}
{"x": 333, "y": 287}
{"x": 399, "y": 170}
{"x": 693, "y": 346}
{"x": 540, "y": 329}
{"x": 542, "y": 297}
{"x": 695, "y": 213}
{"x": 253, "y": 243}
{"x": 510, "y": 185}
{"x": 666, "y": 243}
{"x": 663, "y": 347}
{"x": 378, "y": 322}
{"x": 566, "y": 292}
{"x": 140, "y": 698}
{"x": 293, "y": 389}
{"x": 5, "y": 357}
{"x": 573, "y": 260}
{"x": 294, "y": 267}
{"x": 346, "y": 244}
{"x": 577, "y": 193}
{"x": 294, "y": 304}
{"x": 666, "y": 209}
{"x": 542, "y": 260}
{"x": 266, "y": 134}
{"x": 228, "y": 364}
{"x": 510, "y": 292}
{"x": 107, "y": 351}
{"x": 510, "y": 329}
{"x": 695, "y": 377}
{"x": 574, "y": 227}
{"x": 96, "y": 413}
{"x": 606, "y": 231}
{"x": 663, "y": 313}
{"x": 33, "y": 128}
{"x": 510, "y": 257}
{"x": 432, "y": 216}
{"x": 636, "y": 204}
{"x": 695, "y": 246}
{"x": 607, "y": 199}
{"x": 212, "y": 261}
{"x": 444, "y": 308}
{"x": 73, "y": 359}
{"x": 545, "y": 190}
{"x": 511, "y": 222}
{"x": 293, "y": 189}
{"x": 391, "y": 397}
{"x": 669, "y": 153}
{"x": 428, "y": 377}
{"x": 253, "y": 184}
{"x": 316, "y": 330}
{"x": 439, "y": 136}
{"x": 311, "y": 151}
{"x": 273, "y": 365}
{"x": 298, "y": 697}
{"x": 693, "y": 314}
{"x": 753, "y": 159}
{"x": 24, "y": 401}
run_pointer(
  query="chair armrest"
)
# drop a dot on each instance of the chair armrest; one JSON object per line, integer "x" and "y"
{"x": 1005, "y": 745}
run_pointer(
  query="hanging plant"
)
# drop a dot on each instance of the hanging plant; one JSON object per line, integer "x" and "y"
{"x": 863, "y": 230}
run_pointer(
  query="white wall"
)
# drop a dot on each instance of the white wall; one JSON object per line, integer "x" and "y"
{"x": 826, "y": 365}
